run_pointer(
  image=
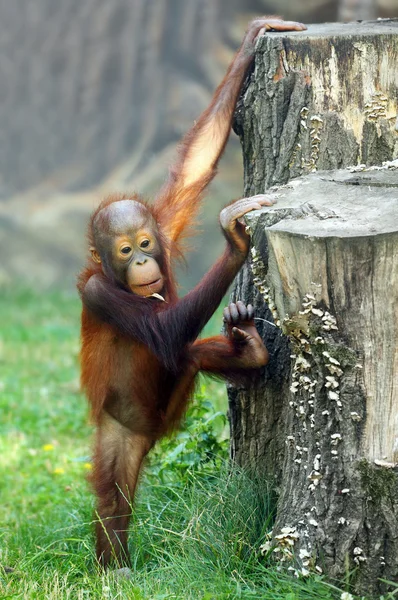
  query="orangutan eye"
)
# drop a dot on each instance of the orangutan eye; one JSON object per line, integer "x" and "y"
{"x": 125, "y": 250}
{"x": 145, "y": 244}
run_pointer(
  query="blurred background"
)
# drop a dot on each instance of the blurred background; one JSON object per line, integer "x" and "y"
{"x": 95, "y": 95}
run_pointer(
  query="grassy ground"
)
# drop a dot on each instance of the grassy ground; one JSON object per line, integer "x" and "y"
{"x": 196, "y": 528}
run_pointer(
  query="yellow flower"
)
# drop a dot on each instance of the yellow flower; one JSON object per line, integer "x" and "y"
{"x": 48, "y": 447}
{"x": 88, "y": 466}
{"x": 59, "y": 471}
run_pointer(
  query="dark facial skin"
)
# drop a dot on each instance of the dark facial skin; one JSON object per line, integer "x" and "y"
{"x": 127, "y": 245}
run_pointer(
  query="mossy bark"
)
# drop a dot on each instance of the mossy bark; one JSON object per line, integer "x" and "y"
{"x": 322, "y": 421}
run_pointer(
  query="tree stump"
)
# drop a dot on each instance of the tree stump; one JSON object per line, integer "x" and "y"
{"x": 322, "y": 99}
{"x": 323, "y": 421}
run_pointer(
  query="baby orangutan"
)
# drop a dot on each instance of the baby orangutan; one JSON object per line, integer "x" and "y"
{"x": 140, "y": 354}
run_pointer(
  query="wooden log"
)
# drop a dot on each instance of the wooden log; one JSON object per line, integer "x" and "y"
{"x": 323, "y": 422}
{"x": 332, "y": 272}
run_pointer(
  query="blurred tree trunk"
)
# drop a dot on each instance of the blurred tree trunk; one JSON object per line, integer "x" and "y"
{"x": 323, "y": 421}
{"x": 356, "y": 10}
{"x": 97, "y": 83}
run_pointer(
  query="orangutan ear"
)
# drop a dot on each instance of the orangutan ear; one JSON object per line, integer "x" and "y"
{"x": 94, "y": 255}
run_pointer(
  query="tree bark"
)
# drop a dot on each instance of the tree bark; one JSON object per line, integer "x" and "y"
{"x": 323, "y": 421}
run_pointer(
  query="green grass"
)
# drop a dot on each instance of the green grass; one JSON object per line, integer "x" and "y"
{"x": 197, "y": 526}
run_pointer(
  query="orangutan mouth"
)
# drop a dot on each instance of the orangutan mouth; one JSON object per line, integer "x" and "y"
{"x": 142, "y": 285}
